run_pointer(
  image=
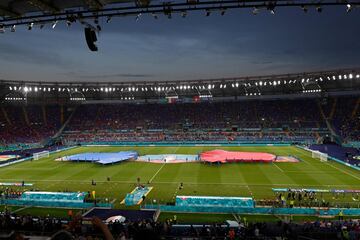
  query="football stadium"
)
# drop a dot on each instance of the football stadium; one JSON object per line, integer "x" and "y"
{"x": 134, "y": 156}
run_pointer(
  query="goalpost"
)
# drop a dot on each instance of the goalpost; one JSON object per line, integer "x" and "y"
{"x": 322, "y": 156}
{"x": 42, "y": 154}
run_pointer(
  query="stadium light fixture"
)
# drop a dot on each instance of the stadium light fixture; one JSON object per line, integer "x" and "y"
{"x": 183, "y": 14}
{"x": 30, "y": 26}
{"x": 222, "y": 12}
{"x": 207, "y": 13}
{"x": 54, "y": 24}
{"x": 271, "y": 8}
{"x": 108, "y": 19}
{"x": 137, "y": 18}
{"x": 155, "y": 16}
{"x": 350, "y": 76}
{"x": 348, "y": 7}
{"x": 255, "y": 11}
{"x": 13, "y": 28}
{"x": 319, "y": 9}
{"x": 304, "y": 8}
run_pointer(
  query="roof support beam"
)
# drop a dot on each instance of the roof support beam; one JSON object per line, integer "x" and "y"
{"x": 43, "y": 6}
{"x": 94, "y": 4}
{"x": 8, "y": 12}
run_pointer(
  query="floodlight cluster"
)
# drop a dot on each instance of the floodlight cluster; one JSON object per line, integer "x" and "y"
{"x": 312, "y": 91}
{"x": 77, "y": 99}
{"x": 15, "y": 98}
{"x": 205, "y": 96}
{"x": 246, "y": 87}
{"x": 127, "y": 98}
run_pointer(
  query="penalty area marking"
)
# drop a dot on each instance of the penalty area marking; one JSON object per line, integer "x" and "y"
{"x": 151, "y": 179}
{"x": 341, "y": 170}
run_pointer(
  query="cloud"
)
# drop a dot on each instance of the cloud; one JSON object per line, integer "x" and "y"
{"x": 126, "y": 75}
{"x": 31, "y": 55}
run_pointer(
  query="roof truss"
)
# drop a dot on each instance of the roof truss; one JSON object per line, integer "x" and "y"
{"x": 43, "y": 6}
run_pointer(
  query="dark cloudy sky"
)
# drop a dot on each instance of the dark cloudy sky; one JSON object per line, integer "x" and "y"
{"x": 237, "y": 44}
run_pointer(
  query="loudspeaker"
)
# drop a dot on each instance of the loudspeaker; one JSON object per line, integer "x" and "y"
{"x": 91, "y": 38}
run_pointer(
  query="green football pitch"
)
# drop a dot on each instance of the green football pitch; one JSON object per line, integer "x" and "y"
{"x": 237, "y": 179}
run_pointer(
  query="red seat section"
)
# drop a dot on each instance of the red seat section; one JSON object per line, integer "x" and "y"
{"x": 227, "y": 156}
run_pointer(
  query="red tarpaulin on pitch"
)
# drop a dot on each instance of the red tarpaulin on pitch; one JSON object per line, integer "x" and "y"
{"x": 226, "y": 156}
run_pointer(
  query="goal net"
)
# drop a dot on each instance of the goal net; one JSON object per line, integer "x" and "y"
{"x": 319, "y": 155}
{"x": 39, "y": 155}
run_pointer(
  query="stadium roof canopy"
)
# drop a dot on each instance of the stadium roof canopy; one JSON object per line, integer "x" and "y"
{"x": 318, "y": 84}
{"x": 22, "y": 12}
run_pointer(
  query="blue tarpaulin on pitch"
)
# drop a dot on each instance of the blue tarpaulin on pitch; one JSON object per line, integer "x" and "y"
{"x": 102, "y": 158}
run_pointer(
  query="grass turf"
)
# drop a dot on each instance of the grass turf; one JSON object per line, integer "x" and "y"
{"x": 240, "y": 179}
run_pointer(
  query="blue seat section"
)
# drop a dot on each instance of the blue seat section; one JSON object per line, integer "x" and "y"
{"x": 103, "y": 158}
{"x": 214, "y": 202}
{"x": 136, "y": 196}
{"x": 257, "y": 210}
{"x": 52, "y": 199}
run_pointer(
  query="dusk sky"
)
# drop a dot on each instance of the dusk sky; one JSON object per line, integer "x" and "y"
{"x": 237, "y": 44}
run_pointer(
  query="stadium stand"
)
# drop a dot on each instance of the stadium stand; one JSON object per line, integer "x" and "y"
{"x": 24, "y": 127}
{"x": 296, "y": 121}
{"x": 147, "y": 228}
{"x": 219, "y": 121}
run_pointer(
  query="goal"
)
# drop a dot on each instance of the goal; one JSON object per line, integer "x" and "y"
{"x": 322, "y": 156}
{"x": 42, "y": 154}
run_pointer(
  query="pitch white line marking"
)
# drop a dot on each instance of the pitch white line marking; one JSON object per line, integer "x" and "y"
{"x": 302, "y": 153}
{"x": 156, "y": 173}
{"x": 278, "y": 167}
{"x": 251, "y": 193}
{"x": 190, "y": 183}
{"x": 341, "y": 170}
